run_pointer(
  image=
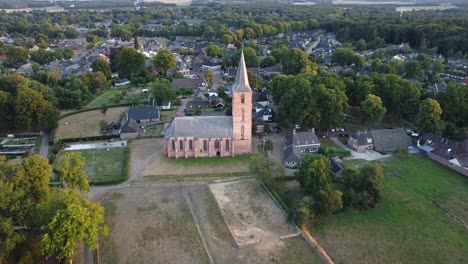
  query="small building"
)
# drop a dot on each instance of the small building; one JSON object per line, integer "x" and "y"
{"x": 260, "y": 98}
{"x": 196, "y": 104}
{"x": 386, "y": 140}
{"x": 361, "y": 141}
{"x": 166, "y": 105}
{"x": 144, "y": 114}
{"x": 129, "y": 130}
{"x": 299, "y": 144}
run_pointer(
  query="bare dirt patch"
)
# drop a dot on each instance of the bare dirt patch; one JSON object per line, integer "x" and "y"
{"x": 141, "y": 149}
{"x": 150, "y": 225}
{"x": 86, "y": 124}
{"x": 251, "y": 215}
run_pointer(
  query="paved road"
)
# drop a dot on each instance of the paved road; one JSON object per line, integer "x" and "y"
{"x": 181, "y": 108}
{"x": 44, "y": 150}
{"x": 368, "y": 155}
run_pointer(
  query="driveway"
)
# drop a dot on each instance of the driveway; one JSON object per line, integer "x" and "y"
{"x": 181, "y": 108}
{"x": 44, "y": 150}
{"x": 368, "y": 155}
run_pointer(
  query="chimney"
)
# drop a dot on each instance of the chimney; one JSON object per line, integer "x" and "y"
{"x": 313, "y": 130}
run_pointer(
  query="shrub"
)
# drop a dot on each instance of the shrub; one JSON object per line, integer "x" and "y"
{"x": 102, "y": 124}
{"x": 302, "y": 214}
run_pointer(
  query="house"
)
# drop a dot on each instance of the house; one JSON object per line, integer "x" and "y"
{"x": 274, "y": 69}
{"x": 361, "y": 141}
{"x": 144, "y": 114}
{"x": 166, "y": 105}
{"x": 386, "y": 140}
{"x": 196, "y": 104}
{"x": 194, "y": 84}
{"x": 265, "y": 114}
{"x": 129, "y": 130}
{"x": 260, "y": 98}
{"x": 438, "y": 87}
{"x": 449, "y": 153}
{"x": 299, "y": 144}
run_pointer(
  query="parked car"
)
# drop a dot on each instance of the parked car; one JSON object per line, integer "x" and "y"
{"x": 276, "y": 129}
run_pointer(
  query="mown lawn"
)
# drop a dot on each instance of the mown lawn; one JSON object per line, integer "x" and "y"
{"x": 406, "y": 227}
{"x": 106, "y": 167}
{"x": 215, "y": 161}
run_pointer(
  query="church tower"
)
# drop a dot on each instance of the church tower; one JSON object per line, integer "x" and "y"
{"x": 242, "y": 111}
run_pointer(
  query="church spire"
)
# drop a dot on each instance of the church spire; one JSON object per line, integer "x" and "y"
{"x": 242, "y": 79}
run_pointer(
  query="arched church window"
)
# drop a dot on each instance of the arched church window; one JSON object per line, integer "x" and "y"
{"x": 242, "y": 132}
{"x": 227, "y": 144}
{"x": 216, "y": 144}
{"x": 190, "y": 144}
{"x": 243, "y": 115}
{"x": 181, "y": 144}
{"x": 205, "y": 145}
{"x": 173, "y": 145}
{"x": 242, "y": 98}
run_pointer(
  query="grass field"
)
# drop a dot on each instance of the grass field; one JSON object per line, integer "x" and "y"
{"x": 86, "y": 124}
{"x": 126, "y": 94}
{"x": 167, "y": 115}
{"x": 104, "y": 166}
{"x": 407, "y": 226}
{"x": 154, "y": 130}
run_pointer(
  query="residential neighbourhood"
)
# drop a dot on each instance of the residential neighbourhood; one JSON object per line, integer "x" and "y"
{"x": 233, "y": 132}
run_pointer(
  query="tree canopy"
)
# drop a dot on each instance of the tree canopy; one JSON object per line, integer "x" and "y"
{"x": 164, "y": 61}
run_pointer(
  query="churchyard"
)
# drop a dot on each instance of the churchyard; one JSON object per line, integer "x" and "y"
{"x": 86, "y": 124}
{"x": 422, "y": 218}
{"x": 157, "y": 224}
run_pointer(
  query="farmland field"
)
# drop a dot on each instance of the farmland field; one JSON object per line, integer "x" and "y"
{"x": 86, "y": 124}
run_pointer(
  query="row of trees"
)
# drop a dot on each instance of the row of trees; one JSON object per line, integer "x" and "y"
{"x": 30, "y": 208}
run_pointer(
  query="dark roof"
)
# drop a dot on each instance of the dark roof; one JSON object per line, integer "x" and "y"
{"x": 266, "y": 111}
{"x": 259, "y": 97}
{"x": 144, "y": 112}
{"x": 441, "y": 146}
{"x": 335, "y": 166}
{"x": 200, "y": 126}
{"x": 131, "y": 126}
{"x": 197, "y": 104}
{"x": 363, "y": 138}
{"x": 187, "y": 83}
{"x": 292, "y": 154}
{"x": 390, "y": 139}
{"x": 303, "y": 138}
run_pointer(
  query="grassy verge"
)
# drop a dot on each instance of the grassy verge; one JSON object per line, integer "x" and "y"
{"x": 167, "y": 115}
{"x": 215, "y": 161}
{"x": 406, "y": 226}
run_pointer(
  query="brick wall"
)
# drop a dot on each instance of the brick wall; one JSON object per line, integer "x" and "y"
{"x": 447, "y": 163}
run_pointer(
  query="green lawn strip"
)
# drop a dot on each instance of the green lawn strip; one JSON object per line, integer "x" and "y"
{"x": 154, "y": 130}
{"x": 106, "y": 167}
{"x": 214, "y": 161}
{"x": 167, "y": 115}
{"x": 406, "y": 226}
{"x": 330, "y": 144}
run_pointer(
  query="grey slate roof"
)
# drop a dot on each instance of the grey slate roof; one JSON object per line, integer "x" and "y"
{"x": 441, "y": 146}
{"x": 242, "y": 80}
{"x": 200, "y": 126}
{"x": 144, "y": 112}
{"x": 302, "y": 138}
{"x": 131, "y": 126}
{"x": 363, "y": 138}
{"x": 390, "y": 139}
{"x": 292, "y": 154}
{"x": 259, "y": 97}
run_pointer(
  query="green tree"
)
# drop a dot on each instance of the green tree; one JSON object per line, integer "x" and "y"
{"x": 213, "y": 50}
{"x": 164, "y": 61}
{"x": 100, "y": 65}
{"x": 29, "y": 106}
{"x": 346, "y": 57}
{"x": 361, "y": 45}
{"x": 254, "y": 80}
{"x": 412, "y": 68}
{"x": 328, "y": 200}
{"x": 268, "y": 61}
{"x": 37, "y": 171}
{"x": 365, "y": 184}
{"x": 454, "y": 102}
{"x": 162, "y": 91}
{"x": 209, "y": 77}
{"x": 428, "y": 118}
{"x": 70, "y": 167}
{"x": 78, "y": 220}
{"x": 314, "y": 174}
{"x": 372, "y": 109}
{"x": 296, "y": 61}
{"x": 130, "y": 63}
{"x": 438, "y": 66}
{"x": 250, "y": 56}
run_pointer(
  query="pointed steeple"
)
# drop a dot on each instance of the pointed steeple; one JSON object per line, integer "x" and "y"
{"x": 242, "y": 79}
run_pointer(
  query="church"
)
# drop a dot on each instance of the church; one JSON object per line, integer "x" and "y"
{"x": 212, "y": 136}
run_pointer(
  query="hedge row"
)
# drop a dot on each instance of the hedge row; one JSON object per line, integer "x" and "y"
{"x": 92, "y": 109}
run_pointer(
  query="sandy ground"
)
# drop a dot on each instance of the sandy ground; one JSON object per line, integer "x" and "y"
{"x": 86, "y": 124}
{"x": 251, "y": 215}
{"x": 150, "y": 225}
